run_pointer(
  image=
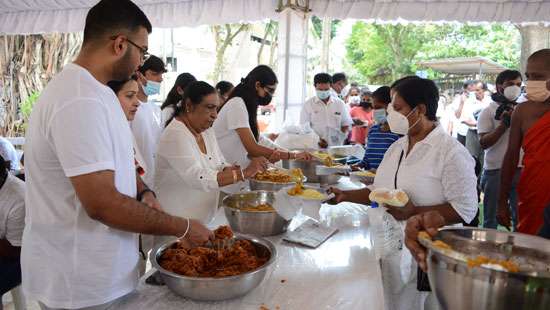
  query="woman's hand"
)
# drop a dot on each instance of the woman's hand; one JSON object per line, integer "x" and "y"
{"x": 323, "y": 143}
{"x": 402, "y": 213}
{"x": 275, "y": 156}
{"x": 198, "y": 234}
{"x": 303, "y": 156}
{"x": 339, "y": 196}
{"x": 428, "y": 221}
{"x": 257, "y": 164}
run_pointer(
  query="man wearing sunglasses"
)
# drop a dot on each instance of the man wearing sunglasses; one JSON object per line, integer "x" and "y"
{"x": 84, "y": 202}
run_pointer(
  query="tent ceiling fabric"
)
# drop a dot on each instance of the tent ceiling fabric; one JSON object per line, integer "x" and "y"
{"x": 464, "y": 65}
{"x": 42, "y": 16}
{"x": 39, "y": 16}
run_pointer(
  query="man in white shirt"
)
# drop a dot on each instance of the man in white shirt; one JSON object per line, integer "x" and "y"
{"x": 338, "y": 86}
{"x": 12, "y": 221}
{"x": 83, "y": 209}
{"x": 460, "y": 129}
{"x": 493, "y": 129}
{"x": 326, "y": 114}
{"x": 146, "y": 125}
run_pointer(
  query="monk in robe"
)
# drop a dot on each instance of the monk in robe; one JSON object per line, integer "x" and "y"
{"x": 530, "y": 130}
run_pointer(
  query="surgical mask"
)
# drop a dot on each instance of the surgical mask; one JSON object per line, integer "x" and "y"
{"x": 537, "y": 91}
{"x": 379, "y": 116}
{"x": 512, "y": 92}
{"x": 151, "y": 88}
{"x": 265, "y": 100}
{"x": 398, "y": 122}
{"x": 323, "y": 94}
{"x": 354, "y": 99}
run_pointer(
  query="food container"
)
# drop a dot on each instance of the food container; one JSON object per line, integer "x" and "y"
{"x": 258, "y": 223}
{"x": 215, "y": 289}
{"x": 270, "y": 186}
{"x": 362, "y": 177}
{"x": 458, "y": 286}
{"x": 308, "y": 169}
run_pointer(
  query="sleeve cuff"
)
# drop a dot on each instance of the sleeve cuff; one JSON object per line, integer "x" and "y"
{"x": 73, "y": 172}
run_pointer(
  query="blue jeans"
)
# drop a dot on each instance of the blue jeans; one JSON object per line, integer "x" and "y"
{"x": 490, "y": 183}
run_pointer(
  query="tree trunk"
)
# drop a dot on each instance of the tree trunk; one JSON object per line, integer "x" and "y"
{"x": 228, "y": 35}
{"x": 27, "y": 63}
{"x": 533, "y": 38}
{"x": 326, "y": 32}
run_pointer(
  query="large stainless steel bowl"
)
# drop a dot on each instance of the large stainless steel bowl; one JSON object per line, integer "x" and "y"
{"x": 258, "y": 223}
{"x": 308, "y": 169}
{"x": 458, "y": 286}
{"x": 270, "y": 186}
{"x": 214, "y": 289}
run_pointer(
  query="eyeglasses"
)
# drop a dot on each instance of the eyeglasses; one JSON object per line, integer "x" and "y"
{"x": 269, "y": 90}
{"x": 143, "y": 50}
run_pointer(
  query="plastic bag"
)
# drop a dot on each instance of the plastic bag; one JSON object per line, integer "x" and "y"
{"x": 294, "y": 137}
{"x": 387, "y": 232}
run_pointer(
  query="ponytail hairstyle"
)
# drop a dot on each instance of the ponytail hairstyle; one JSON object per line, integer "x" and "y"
{"x": 173, "y": 97}
{"x": 194, "y": 93}
{"x": 246, "y": 90}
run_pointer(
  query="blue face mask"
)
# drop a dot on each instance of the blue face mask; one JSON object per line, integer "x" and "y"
{"x": 379, "y": 116}
{"x": 323, "y": 94}
{"x": 151, "y": 88}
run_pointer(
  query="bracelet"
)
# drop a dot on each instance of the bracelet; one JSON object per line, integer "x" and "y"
{"x": 186, "y": 230}
{"x": 235, "y": 179}
{"x": 143, "y": 192}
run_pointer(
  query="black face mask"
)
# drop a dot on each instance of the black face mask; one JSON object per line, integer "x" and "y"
{"x": 365, "y": 104}
{"x": 265, "y": 100}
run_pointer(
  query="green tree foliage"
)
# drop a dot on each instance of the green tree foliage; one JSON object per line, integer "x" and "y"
{"x": 382, "y": 53}
{"x": 318, "y": 27}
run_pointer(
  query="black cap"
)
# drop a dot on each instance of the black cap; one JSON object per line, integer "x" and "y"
{"x": 154, "y": 64}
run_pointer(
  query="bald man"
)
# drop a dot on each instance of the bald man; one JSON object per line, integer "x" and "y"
{"x": 530, "y": 130}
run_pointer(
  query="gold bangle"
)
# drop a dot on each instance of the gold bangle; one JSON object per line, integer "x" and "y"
{"x": 234, "y": 176}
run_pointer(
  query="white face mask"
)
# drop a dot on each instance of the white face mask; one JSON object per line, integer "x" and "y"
{"x": 398, "y": 122}
{"x": 537, "y": 91}
{"x": 354, "y": 99}
{"x": 512, "y": 92}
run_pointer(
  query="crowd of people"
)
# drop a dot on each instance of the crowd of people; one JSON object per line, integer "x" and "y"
{"x": 109, "y": 174}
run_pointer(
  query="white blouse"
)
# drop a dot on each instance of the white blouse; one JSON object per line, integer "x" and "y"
{"x": 186, "y": 179}
{"x": 437, "y": 170}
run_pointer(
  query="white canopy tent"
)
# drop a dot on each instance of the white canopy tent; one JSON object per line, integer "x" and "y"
{"x": 464, "y": 65}
{"x": 42, "y": 16}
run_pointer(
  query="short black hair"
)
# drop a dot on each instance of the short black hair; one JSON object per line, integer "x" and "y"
{"x": 116, "y": 86}
{"x": 108, "y": 17}
{"x": 382, "y": 94}
{"x": 468, "y": 83}
{"x": 154, "y": 64}
{"x": 4, "y": 167}
{"x": 403, "y": 79}
{"x": 507, "y": 75}
{"x": 322, "y": 78}
{"x": 340, "y": 76}
{"x": 420, "y": 91}
{"x": 223, "y": 87}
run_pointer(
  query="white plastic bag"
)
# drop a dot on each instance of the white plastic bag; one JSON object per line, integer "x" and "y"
{"x": 294, "y": 137}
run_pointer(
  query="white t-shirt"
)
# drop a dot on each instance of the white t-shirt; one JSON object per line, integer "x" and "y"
{"x": 69, "y": 260}
{"x": 8, "y": 152}
{"x": 12, "y": 210}
{"x": 470, "y": 109}
{"x": 146, "y": 128}
{"x": 325, "y": 118}
{"x": 437, "y": 170}
{"x": 494, "y": 155}
{"x": 233, "y": 115}
{"x": 165, "y": 115}
{"x": 186, "y": 179}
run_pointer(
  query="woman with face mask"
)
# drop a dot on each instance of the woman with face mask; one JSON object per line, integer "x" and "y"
{"x": 362, "y": 121}
{"x": 236, "y": 127}
{"x": 380, "y": 137}
{"x": 435, "y": 171}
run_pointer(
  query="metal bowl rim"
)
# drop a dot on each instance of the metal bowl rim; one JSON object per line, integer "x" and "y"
{"x": 268, "y": 244}
{"x": 247, "y": 192}
{"x": 441, "y": 252}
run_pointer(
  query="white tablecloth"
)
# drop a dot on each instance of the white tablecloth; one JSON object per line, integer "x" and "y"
{"x": 340, "y": 274}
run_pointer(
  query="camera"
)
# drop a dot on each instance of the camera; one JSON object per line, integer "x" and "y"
{"x": 504, "y": 107}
